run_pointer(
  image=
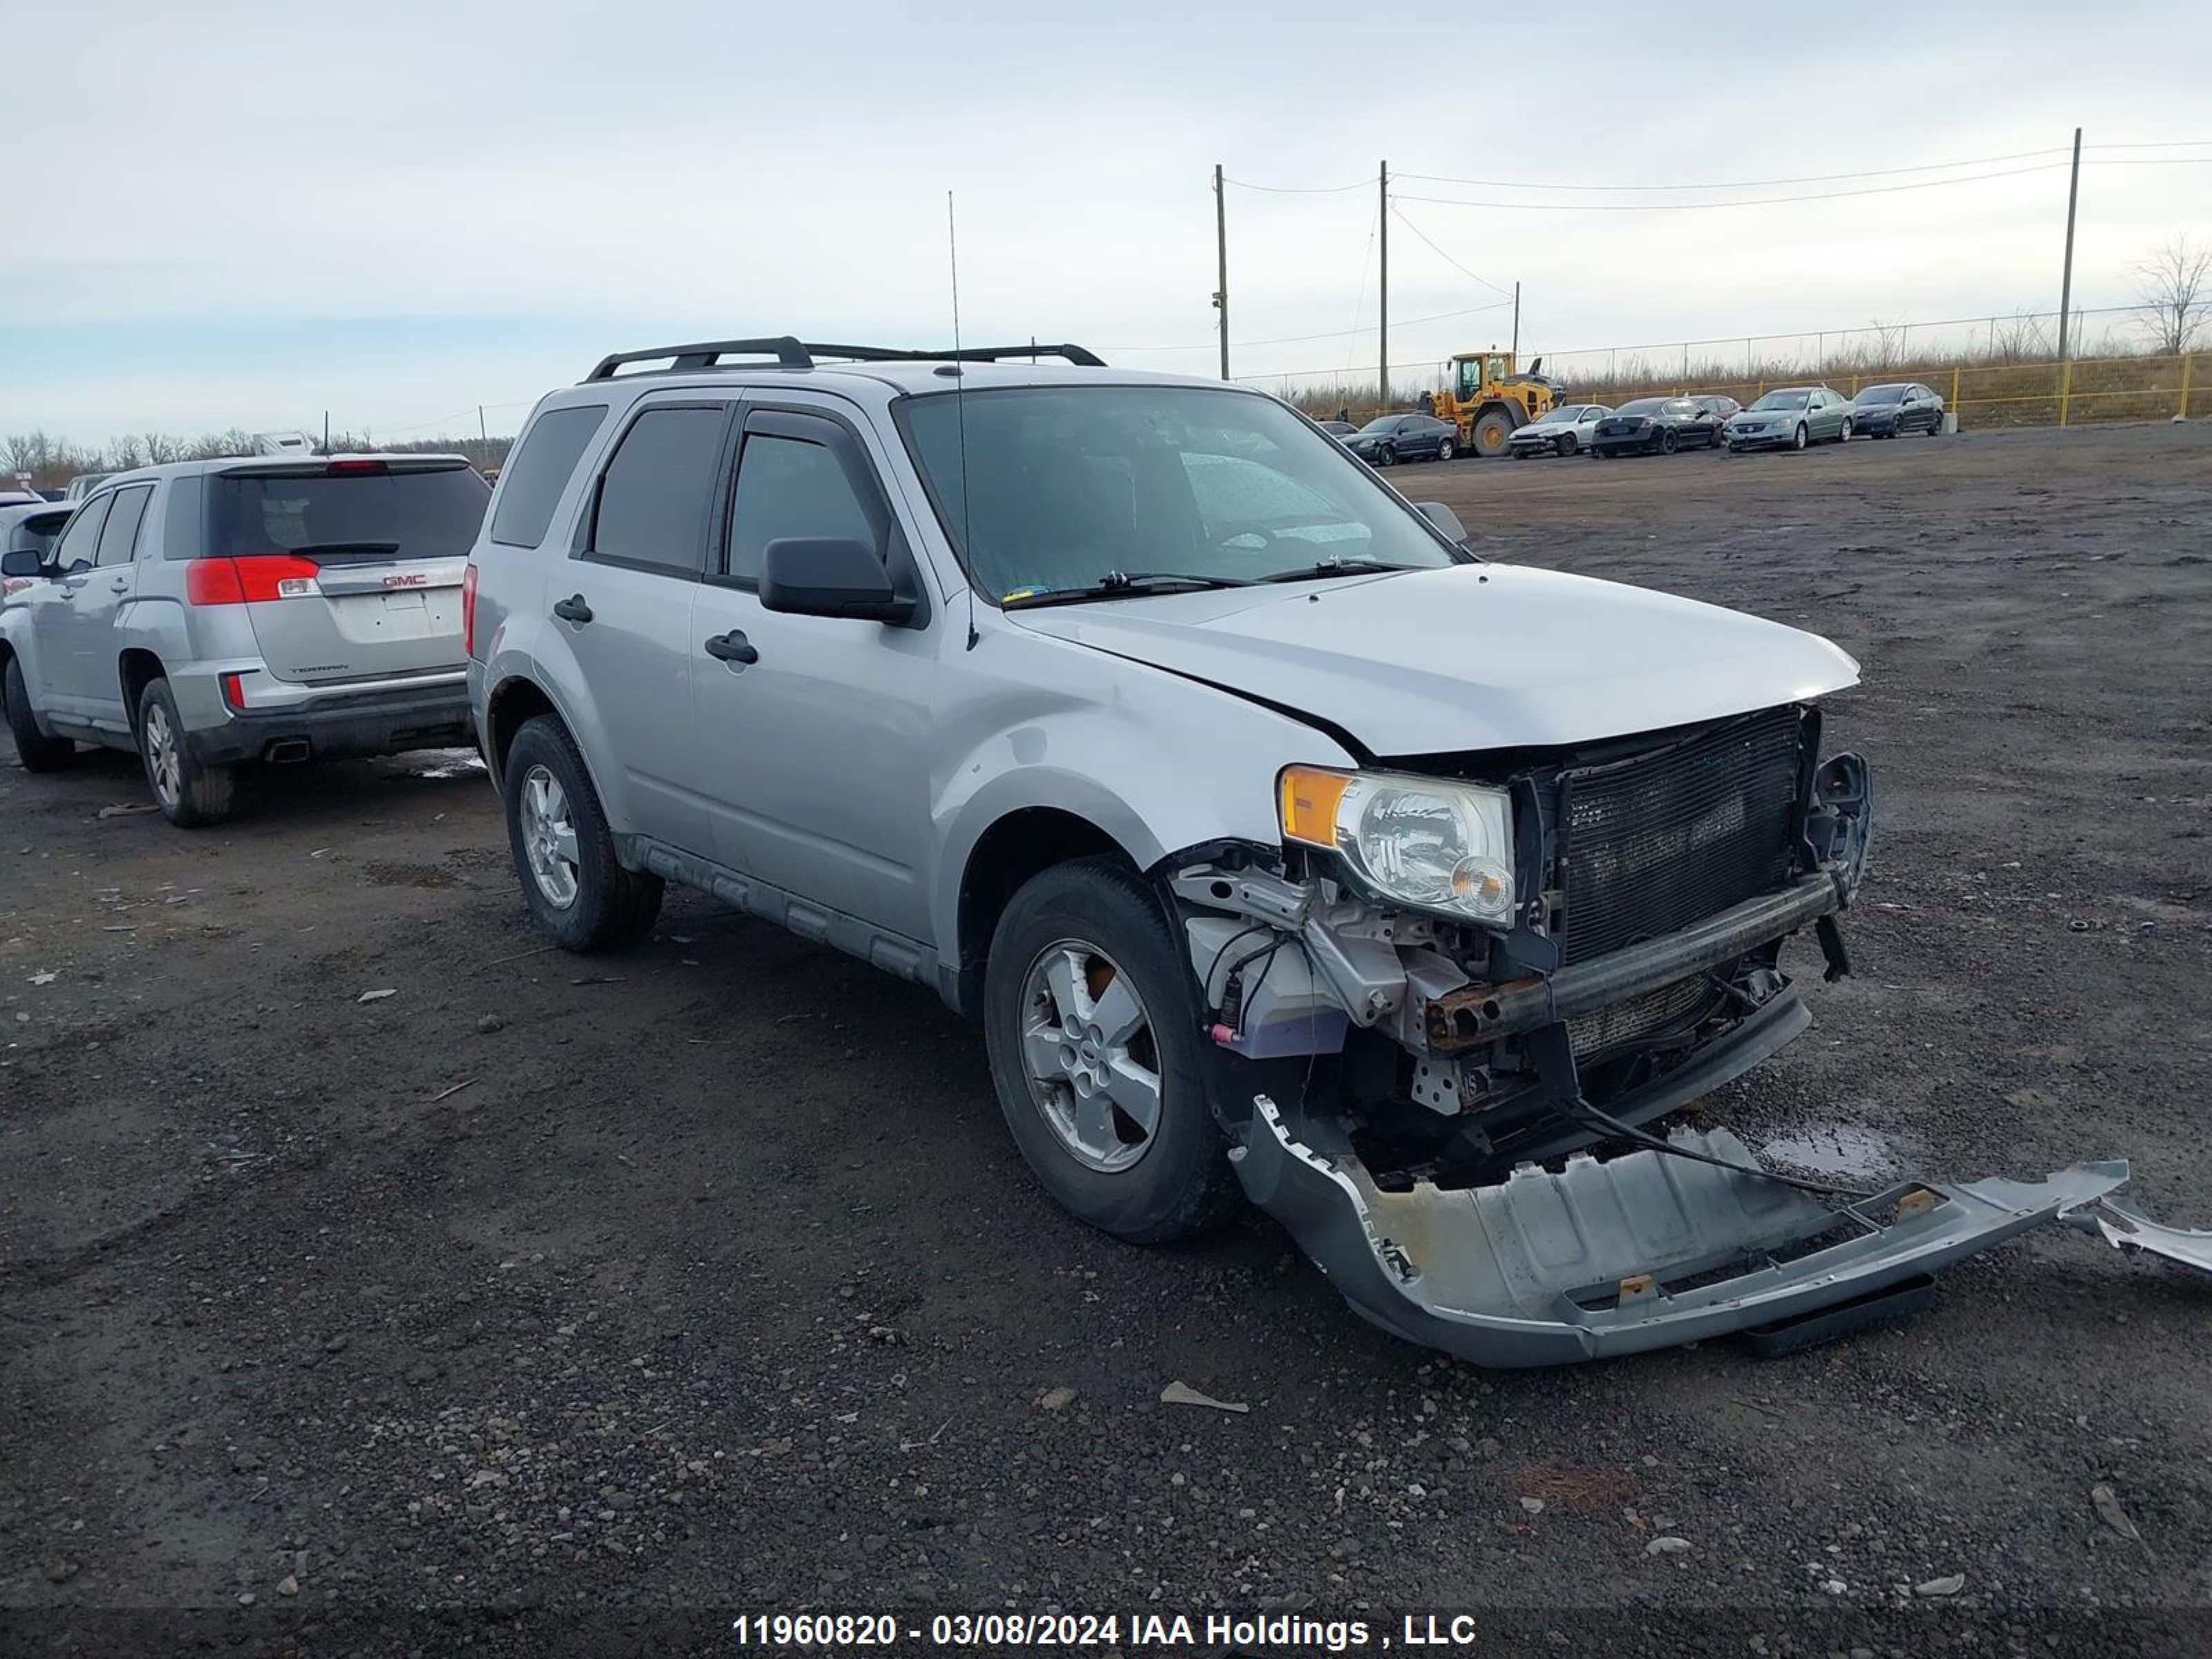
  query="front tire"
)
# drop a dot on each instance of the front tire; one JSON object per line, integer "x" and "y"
{"x": 1492, "y": 433}
{"x": 577, "y": 892}
{"x": 1567, "y": 446}
{"x": 1800, "y": 441}
{"x": 191, "y": 793}
{"x": 1668, "y": 443}
{"x": 1091, "y": 1024}
{"x": 37, "y": 752}
{"x": 1386, "y": 456}
{"x": 1444, "y": 450}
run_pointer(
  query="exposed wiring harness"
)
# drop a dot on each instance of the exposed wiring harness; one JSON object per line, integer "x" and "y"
{"x": 1595, "y": 1118}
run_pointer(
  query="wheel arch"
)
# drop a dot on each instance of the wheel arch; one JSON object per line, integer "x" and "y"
{"x": 514, "y": 702}
{"x": 136, "y": 668}
{"x": 1017, "y": 846}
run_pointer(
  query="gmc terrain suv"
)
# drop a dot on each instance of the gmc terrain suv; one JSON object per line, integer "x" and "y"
{"x": 1274, "y": 840}
{"x": 216, "y": 612}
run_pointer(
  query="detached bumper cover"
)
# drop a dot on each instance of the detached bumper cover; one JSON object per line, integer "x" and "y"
{"x": 1642, "y": 1251}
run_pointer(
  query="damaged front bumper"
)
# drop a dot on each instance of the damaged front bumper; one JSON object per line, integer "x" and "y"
{"x": 1648, "y": 1250}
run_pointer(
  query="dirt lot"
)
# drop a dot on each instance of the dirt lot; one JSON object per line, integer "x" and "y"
{"x": 626, "y": 1293}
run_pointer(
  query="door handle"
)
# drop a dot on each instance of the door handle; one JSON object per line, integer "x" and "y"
{"x": 120, "y": 585}
{"x": 573, "y": 609}
{"x": 732, "y": 647}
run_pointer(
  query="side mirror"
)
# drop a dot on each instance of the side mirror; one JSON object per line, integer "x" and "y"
{"x": 1443, "y": 519}
{"x": 828, "y": 576}
{"x": 21, "y": 561}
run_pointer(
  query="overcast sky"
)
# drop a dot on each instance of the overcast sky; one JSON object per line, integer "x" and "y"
{"x": 233, "y": 215}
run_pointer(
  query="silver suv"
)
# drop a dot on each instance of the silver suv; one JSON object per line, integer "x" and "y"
{"x": 215, "y": 612}
{"x": 1274, "y": 840}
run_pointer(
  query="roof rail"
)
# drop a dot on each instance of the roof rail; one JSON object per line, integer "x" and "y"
{"x": 792, "y": 353}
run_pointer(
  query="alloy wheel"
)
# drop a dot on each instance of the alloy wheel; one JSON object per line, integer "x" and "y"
{"x": 548, "y": 837}
{"x": 164, "y": 763}
{"x": 1089, "y": 1056}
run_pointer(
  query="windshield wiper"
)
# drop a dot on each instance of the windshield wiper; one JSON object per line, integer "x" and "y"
{"x": 1119, "y": 584}
{"x": 1327, "y": 567}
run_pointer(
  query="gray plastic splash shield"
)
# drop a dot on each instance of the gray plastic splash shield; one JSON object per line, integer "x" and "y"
{"x": 2131, "y": 1232}
{"x": 1642, "y": 1251}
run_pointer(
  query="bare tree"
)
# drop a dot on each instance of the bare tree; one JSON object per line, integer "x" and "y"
{"x": 2174, "y": 287}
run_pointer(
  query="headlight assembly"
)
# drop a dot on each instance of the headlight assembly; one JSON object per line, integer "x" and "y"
{"x": 1423, "y": 841}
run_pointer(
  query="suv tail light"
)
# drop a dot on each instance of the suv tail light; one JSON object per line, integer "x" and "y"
{"x": 251, "y": 581}
{"x": 468, "y": 610}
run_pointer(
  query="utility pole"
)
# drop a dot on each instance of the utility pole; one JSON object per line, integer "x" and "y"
{"x": 326, "y": 432}
{"x": 1221, "y": 254}
{"x": 482, "y": 436}
{"x": 2066, "y": 283}
{"x": 1382, "y": 293}
{"x": 1517, "y": 323}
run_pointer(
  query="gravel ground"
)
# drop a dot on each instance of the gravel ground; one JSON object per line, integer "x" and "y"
{"x": 616, "y": 1295}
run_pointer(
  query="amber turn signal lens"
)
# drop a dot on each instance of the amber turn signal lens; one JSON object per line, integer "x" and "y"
{"x": 1309, "y": 800}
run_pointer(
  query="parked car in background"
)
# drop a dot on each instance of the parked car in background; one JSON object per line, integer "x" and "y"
{"x": 28, "y": 534}
{"x": 1388, "y": 439}
{"x": 1565, "y": 430}
{"x": 1892, "y": 411}
{"x": 1722, "y": 407}
{"x": 213, "y": 612}
{"x": 1337, "y": 428}
{"x": 83, "y": 484}
{"x": 1655, "y": 426}
{"x": 20, "y": 498}
{"x": 1790, "y": 418}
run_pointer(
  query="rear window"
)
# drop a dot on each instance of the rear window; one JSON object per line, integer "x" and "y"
{"x": 538, "y": 473}
{"x": 405, "y": 513}
{"x": 659, "y": 489}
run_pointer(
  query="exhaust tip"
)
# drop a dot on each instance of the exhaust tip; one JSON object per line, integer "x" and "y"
{"x": 285, "y": 750}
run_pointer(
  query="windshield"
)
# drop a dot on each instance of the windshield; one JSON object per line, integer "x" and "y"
{"x": 1642, "y": 406}
{"x": 403, "y": 513}
{"x": 1881, "y": 394}
{"x": 1783, "y": 400}
{"x": 1063, "y": 485}
{"x": 1382, "y": 423}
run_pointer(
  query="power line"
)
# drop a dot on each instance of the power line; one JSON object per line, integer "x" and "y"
{"x": 1333, "y": 334}
{"x": 1742, "y": 184}
{"x": 1756, "y": 201}
{"x": 1301, "y": 190}
{"x": 1441, "y": 254}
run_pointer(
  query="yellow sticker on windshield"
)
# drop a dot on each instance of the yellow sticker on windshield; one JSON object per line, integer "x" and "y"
{"x": 1018, "y": 594}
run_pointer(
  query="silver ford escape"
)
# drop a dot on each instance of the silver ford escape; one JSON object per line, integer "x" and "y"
{"x": 1275, "y": 841}
{"x": 215, "y": 612}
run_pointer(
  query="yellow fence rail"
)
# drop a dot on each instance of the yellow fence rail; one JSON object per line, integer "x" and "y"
{"x": 1997, "y": 394}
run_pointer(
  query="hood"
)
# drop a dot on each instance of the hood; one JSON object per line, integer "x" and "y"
{"x": 1466, "y": 658}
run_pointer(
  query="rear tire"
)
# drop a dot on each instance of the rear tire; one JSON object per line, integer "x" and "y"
{"x": 1152, "y": 1184}
{"x": 1843, "y": 435}
{"x": 190, "y": 794}
{"x": 1668, "y": 443}
{"x": 37, "y": 752}
{"x": 577, "y": 892}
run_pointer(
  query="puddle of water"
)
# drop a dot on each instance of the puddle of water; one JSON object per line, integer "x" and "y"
{"x": 450, "y": 764}
{"x": 1835, "y": 1149}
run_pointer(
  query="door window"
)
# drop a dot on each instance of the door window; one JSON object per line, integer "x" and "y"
{"x": 539, "y": 472}
{"x": 118, "y": 538}
{"x": 789, "y": 487}
{"x": 82, "y": 536}
{"x": 659, "y": 489}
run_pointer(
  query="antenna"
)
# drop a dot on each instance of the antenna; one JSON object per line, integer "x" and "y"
{"x": 960, "y": 416}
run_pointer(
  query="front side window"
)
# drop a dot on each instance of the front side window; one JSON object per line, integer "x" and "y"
{"x": 659, "y": 488}
{"x": 1063, "y": 486}
{"x": 538, "y": 473}
{"x": 82, "y": 538}
{"x": 787, "y": 487}
{"x": 118, "y": 537}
